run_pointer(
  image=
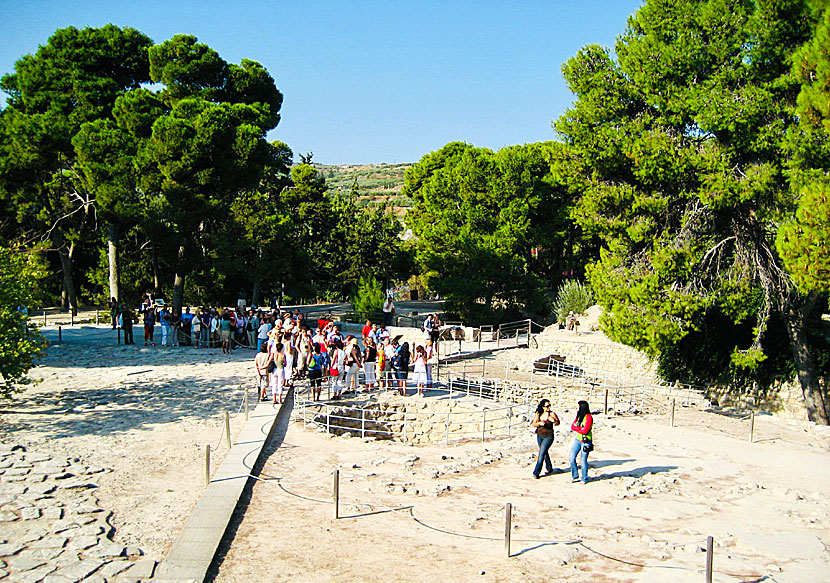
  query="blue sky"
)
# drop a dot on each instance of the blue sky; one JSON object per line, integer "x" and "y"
{"x": 368, "y": 82}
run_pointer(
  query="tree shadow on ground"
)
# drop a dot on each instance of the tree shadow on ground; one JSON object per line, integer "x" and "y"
{"x": 635, "y": 473}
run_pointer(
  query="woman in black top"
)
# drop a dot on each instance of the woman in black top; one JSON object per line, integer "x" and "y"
{"x": 402, "y": 367}
{"x": 544, "y": 420}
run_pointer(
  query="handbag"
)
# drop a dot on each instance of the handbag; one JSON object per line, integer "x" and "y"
{"x": 272, "y": 366}
{"x": 587, "y": 446}
{"x": 333, "y": 372}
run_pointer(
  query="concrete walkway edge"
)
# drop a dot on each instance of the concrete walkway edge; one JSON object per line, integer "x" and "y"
{"x": 195, "y": 548}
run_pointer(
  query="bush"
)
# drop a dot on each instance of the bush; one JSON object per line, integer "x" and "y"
{"x": 572, "y": 296}
{"x": 369, "y": 295}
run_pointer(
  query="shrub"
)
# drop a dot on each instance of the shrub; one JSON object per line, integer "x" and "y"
{"x": 369, "y": 295}
{"x": 572, "y": 296}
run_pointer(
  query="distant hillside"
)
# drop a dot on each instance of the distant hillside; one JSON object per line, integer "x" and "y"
{"x": 376, "y": 183}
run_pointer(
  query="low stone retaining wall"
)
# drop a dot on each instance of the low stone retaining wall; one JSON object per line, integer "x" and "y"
{"x": 611, "y": 357}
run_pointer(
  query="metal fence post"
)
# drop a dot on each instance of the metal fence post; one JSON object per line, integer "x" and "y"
{"x": 508, "y": 520}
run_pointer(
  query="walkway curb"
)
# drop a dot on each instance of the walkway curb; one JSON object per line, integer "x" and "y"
{"x": 196, "y": 546}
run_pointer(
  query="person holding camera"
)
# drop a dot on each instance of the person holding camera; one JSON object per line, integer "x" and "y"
{"x": 544, "y": 419}
{"x": 583, "y": 442}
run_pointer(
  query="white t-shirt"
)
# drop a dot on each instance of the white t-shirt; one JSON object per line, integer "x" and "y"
{"x": 262, "y": 331}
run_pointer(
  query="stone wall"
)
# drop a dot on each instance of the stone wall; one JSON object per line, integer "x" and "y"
{"x": 784, "y": 398}
{"x": 611, "y": 357}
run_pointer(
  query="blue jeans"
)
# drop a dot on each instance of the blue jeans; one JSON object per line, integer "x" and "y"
{"x": 576, "y": 449}
{"x": 544, "y": 446}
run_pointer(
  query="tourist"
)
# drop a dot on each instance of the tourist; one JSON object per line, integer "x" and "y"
{"x": 435, "y": 330}
{"x": 544, "y": 420}
{"x": 225, "y": 332}
{"x": 370, "y": 356}
{"x": 262, "y": 361}
{"x": 388, "y": 311}
{"x": 262, "y": 332}
{"x": 583, "y": 443}
{"x": 431, "y": 357}
{"x": 149, "y": 325}
{"x": 367, "y": 327}
{"x": 187, "y": 326}
{"x": 175, "y": 326}
{"x": 196, "y": 329}
{"x": 381, "y": 362}
{"x": 402, "y": 366}
{"x": 289, "y": 352}
{"x": 126, "y": 316}
{"x": 338, "y": 367}
{"x": 353, "y": 364}
{"x": 204, "y": 339}
{"x": 420, "y": 370}
{"x": 252, "y": 328}
{"x": 114, "y": 311}
{"x": 277, "y": 377}
{"x": 164, "y": 320}
{"x": 315, "y": 371}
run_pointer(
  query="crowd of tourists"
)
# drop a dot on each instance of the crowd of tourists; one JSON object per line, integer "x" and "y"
{"x": 289, "y": 346}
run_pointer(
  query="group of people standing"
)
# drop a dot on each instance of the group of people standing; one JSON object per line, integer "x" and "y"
{"x": 544, "y": 421}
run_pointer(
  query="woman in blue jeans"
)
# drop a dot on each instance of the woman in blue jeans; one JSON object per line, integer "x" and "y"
{"x": 583, "y": 441}
{"x": 544, "y": 420}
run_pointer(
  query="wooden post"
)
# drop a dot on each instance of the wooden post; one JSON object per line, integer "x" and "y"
{"x": 709, "y": 558}
{"x": 60, "y": 334}
{"x": 483, "y": 423}
{"x": 508, "y": 520}
{"x": 606, "y": 402}
{"x": 44, "y": 316}
{"x": 336, "y": 494}
{"x": 751, "y": 426}
{"x": 671, "y": 422}
{"x": 363, "y": 423}
{"x": 228, "y": 428}
{"x": 245, "y": 398}
{"x": 207, "y": 465}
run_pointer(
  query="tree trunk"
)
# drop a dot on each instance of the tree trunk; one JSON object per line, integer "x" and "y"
{"x": 155, "y": 266}
{"x": 257, "y": 291}
{"x": 112, "y": 259}
{"x": 178, "y": 281}
{"x": 814, "y": 398}
{"x": 69, "y": 286}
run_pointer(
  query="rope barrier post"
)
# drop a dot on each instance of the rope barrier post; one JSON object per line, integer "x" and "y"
{"x": 60, "y": 334}
{"x": 336, "y": 494}
{"x": 363, "y": 424}
{"x": 483, "y": 424}
{"x": 71, "y": 317}
{"x": 207, "y": 465}
{"x": 709, "y": 558}
{"x": 245, "y": 398}
{"x": 606, "y": 402}
{"x": 228, "y": 428}
{"x": 44, "y": 316}
{"x": 751, "y": 426}
{"x": 119, "y": 336}
{"x": 508, "y": 520}
{"x": 671, "y": 418}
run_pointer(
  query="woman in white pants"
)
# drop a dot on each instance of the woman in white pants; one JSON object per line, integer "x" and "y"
{"x": 289, "y": 358}
{"x": 277, "y": 378}
{"x": 338, "y": 359}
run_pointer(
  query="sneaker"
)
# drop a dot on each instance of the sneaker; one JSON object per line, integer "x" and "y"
{"x": 535, "y": 476}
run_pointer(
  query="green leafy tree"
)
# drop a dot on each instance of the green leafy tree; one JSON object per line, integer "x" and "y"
{"x": 478, "y": 217}
{"x": 682, "y": 147}
{"x": 72, "y": 80}
{"x": 368, "y": 296}
{"x": 20, "y": 342}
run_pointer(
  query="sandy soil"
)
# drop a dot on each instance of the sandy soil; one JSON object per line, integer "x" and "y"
{"x": 435, "y": 512}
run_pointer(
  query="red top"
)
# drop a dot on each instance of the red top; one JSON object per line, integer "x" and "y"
{"x": 585, "y": 429}
{"x": 366, "y": 329}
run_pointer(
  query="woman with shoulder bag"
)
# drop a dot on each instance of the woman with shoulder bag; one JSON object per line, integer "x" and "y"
{"x": 262, "y": 362}
{"x": 583, "y": 442}
{"x": 338, "y": 368}
{"x": 544, "y": 419}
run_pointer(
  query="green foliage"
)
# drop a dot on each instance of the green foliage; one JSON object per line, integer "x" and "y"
{"x": 688, "y": 153}
{"x": 478, "y": 216}
{"x": 368, "y": 296}
{"x": 804, "y": 242}
{"x": 20, "y": 342}
{"x": 572, "y": 296}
